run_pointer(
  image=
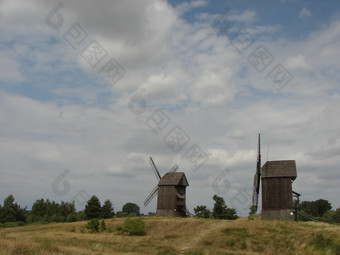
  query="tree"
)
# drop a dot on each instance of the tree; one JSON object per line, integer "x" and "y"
{"x": 336, "y": 216}
{"x": 131, "y": 208}
{"x": 93, "y": 208}
{"x": 66, "y": 208}
{"x": 38, "y": 208}
{"x": 329, "y": 216}
{"x": 107, "y": 210}
{"x": 315, "y": 208}
{"x": 221, "y": 211}
{"x": 9, "y": 201}
{"x": 322, "y": 206}
{"x": 11, "y": 211}
{"x": 202, "y": 211}
{"x": 252, "y": 209}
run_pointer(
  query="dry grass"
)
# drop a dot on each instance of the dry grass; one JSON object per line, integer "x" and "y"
{"x": 175, "y": 236}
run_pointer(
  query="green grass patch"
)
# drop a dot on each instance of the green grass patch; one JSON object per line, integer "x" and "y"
{"x": 238, "y": 232}
{"x": 322, "y": 243}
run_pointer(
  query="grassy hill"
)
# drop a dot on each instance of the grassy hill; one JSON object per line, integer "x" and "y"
{"x": 165, "y": 235}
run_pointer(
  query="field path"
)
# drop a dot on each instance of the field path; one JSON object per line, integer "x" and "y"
{"x": 210, "y": 227}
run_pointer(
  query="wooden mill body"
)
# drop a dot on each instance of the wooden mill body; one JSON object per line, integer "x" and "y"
{"x": 171, "y": 198}
{"x": 277, "y": 193}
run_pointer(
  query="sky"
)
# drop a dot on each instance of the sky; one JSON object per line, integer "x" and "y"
{"x": 89, "y": 90}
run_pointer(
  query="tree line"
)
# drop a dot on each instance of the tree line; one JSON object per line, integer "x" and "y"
{"x": 219, "y": 211}
{"x": 320, "y": 210}
{"x": 45, "y": 211}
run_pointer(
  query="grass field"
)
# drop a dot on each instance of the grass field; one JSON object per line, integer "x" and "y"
{"x": 190, "y": 236}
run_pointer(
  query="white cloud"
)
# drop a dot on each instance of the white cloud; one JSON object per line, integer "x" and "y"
{"x": 305, "y": 13}
{"x": 211, "y": 89}
{"x": 247, "y": 16}
{"x": 296, "y": 62}
{"x": 187, "y": 6}
{"x": 162, "y": 89}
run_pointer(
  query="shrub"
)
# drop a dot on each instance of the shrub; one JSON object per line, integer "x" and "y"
{"x": 121, "y": 214}
{"x": 102, "y": 225}
{"x": 72, "y": 217}
{"x": 93, "y": 225}
{"x": 134, "y": 226}
{"x": 81, "y": 216}
{"x": 202, "y": 211}
{"x": 12, "y": 224}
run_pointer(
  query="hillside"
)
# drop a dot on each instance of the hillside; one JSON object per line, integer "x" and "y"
{"x": 175, "y": 236}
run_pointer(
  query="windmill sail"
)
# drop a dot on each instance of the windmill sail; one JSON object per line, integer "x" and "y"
{"x": 155, "y": 190}
{"x": 173, "y": 169}
{"x": 154, "y": 169}
{"x": 257, "y": 178}
{"x": 151, "y": 196}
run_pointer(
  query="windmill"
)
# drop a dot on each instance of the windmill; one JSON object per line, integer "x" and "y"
{"x": 257, "y": 179}
{"x": 171, "y": 192}
{"x": 277, "y": 194}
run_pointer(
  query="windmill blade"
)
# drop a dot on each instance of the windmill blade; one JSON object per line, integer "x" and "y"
{"x": 256, "y": 183}
{"x": 258, "y": 166}
{"x": 173, "y": 169}
{"x": 154, "y": 169}
{"x": 257, "y": 177}
{"x": 151, "y": 196}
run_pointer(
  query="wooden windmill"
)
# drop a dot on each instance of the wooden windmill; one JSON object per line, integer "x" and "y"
{"x": 277, "y": 193}
{"x": 171, "y": 190}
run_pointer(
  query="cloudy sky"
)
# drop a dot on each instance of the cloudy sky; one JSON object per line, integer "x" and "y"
{"x": 90, "y": 89}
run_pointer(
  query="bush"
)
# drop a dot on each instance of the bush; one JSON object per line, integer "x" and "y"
{"x": 121, "y": 214}
{"x": 102, "y": 225}
{"x": 202, "y": 211}
{"x": 93, "y": 225}
{"x": 336, "y": 216}
{"x": 81, "y": 216}
{"x": 72, "y": 217}
{"x": 134, "y": 227}
{"x": 12, "y": 224}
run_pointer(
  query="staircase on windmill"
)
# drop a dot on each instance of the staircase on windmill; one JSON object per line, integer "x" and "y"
{"x": 277, "y": 194}
{"x": 171, "y": 190}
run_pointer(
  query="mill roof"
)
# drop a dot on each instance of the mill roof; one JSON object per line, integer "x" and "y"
{"x": 280, "y": 168}
{"x": 176, "y": 179}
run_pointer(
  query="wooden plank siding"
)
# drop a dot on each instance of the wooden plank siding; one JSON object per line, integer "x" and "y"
{"x": 277, "y": 193}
